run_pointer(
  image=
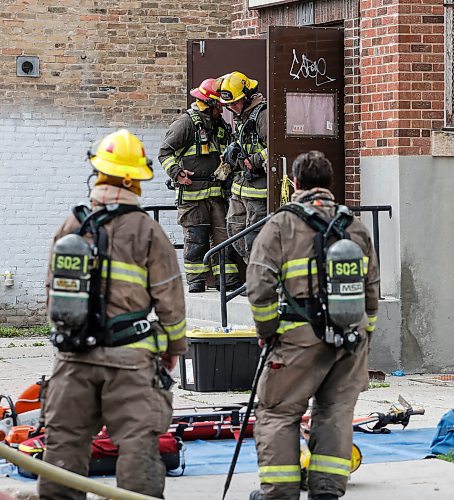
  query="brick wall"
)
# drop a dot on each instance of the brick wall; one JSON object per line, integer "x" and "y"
{"x": 245, "y": 22}
{"x": 321, "y": 12}
{"x": 112, "y": 62}
{"x": 103, "y": 65}
{"x": 402, "y": 75}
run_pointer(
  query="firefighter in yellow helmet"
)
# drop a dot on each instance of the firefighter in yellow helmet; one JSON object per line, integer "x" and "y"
{"x": 190, "y": 154}
{"x": 110, "y": 266}
{"x": 247, "y": 156}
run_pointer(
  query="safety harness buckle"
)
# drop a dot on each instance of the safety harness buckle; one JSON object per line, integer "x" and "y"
{"x": 142, "y": 326}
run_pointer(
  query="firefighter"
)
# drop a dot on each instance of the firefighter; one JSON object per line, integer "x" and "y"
{"x": 247, "y": 156}
{"x": 190, "y": 154}
{"x": 311, "y": 355}
{"x": 111, "y": 359}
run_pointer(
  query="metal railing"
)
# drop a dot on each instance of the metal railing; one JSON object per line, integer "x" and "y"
{"x": 157, "y": 209}
{"x": 225, "y": 298}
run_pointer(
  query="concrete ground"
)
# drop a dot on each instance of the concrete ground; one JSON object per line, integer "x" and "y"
{"x": 23, "y": 361}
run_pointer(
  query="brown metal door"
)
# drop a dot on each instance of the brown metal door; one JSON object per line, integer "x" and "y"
{"x": 212, "y": 58}
{"x": 306, "y": 101}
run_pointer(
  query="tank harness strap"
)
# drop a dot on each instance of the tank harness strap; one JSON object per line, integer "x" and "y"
{"x": 314, "y": 308}
{"x": 127, "y": 328}
{"x": 250, "y": 125}
{"x": 99, "y": 295}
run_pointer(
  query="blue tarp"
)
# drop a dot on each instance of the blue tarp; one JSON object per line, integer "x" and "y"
{"x": 213, "y": 457}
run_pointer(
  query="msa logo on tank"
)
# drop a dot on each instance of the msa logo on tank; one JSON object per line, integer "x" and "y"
{"x": 70, "y": 285}
{"x": 345, "y": 284}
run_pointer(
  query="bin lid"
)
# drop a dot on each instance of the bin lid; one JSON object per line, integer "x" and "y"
{"x": 199, "y": 334}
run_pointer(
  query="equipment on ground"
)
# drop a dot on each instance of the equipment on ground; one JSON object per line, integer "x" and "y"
{"x": 67, "y": 478}
{"x": 336, "y": 307}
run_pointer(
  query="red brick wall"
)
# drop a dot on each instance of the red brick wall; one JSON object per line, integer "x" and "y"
{"x": 245, "y": 22}
{"x": 402, "y": 75}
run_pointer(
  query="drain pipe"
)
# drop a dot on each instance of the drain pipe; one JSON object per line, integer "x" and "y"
{"x": 67, "y": 478}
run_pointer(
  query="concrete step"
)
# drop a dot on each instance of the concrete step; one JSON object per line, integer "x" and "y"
{"x": 207, "y": 307}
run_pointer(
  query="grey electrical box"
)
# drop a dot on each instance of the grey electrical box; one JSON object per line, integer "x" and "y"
{"x": 27, "y": 66}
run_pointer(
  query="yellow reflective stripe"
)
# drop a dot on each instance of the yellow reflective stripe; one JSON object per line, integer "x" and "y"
{"x": 169, "y": 162}
{"x": 192, "y": 151}
{"x": 365, "y": 265}
{"x": 249, "y": 192}
{"x": 330, "y": 465}
{"x": 264, "y": 153}
{"x": 280, "y": 474}
{"x": 229, "y": 269}
{"x": 202, "y": 194}
{"x": 285, "y": 326}
{"x": 150, "y": 344}
{"x": 195, "y": 268}
{"x": 122, "y": 271}
{"x": 177, "y": 331}
{"x": 265, "y": 313}
{"x": 298, "y": 267}
{"x": 371, "y": 327}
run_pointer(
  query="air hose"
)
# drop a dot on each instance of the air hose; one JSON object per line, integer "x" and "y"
{"x": 67, "y": 478}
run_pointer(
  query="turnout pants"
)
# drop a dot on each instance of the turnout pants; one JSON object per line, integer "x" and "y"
{"x": 203, "y": 225}
{"x": 80, "y": 398}
{"x": 242, "y": 213}
{"x": 292, "y": 376}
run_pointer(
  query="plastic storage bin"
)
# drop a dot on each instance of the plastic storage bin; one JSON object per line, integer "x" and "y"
{"x": 217, "y": 362}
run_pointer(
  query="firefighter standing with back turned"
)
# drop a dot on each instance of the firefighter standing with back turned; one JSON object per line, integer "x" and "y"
{"x": 247, "y": 156}
{"x": 324, "y": 283}
{"x": 190, "y": 154}
{"x": 109, "y": 268}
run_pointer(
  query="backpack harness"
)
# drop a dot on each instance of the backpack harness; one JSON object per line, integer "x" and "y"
{"x": 78, "y": 300}
{"x": 338, "y": 306}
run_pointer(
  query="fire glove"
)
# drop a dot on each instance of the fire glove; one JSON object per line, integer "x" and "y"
{"x": 223, "y": 171}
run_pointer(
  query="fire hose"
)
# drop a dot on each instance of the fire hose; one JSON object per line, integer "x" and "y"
{"x": 67, "y": 478}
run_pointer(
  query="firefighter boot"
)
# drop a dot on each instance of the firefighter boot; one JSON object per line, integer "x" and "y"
{"x": 197, "y": 287}
{"x": 323, "y": 496}
{"x": 255, "y": 495}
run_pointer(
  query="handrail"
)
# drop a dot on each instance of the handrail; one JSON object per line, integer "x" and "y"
{"x": 375, "y": 209}
{"x": 156, "y": 209}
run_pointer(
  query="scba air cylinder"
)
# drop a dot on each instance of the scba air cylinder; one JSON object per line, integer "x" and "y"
{"x": 69, "y": 291}
{"x": 345, "y": 283}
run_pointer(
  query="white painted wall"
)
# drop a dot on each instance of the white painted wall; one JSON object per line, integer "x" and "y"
{"x": 42, "y": 175}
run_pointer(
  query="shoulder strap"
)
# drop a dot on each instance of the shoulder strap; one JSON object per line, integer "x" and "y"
{"x": 105, "y": 215}
{"x": 81, "y": 212}
{"x": 256, "y": 111}
{"x": 195, "y": 117}
{"x": 316, "y": 221}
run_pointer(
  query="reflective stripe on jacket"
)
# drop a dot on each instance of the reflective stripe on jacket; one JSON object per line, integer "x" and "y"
{"x": 144, "y": 269}
{"x": 281, "y": 252}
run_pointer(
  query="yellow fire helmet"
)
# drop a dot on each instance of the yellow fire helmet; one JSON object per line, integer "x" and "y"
{"x": 121, "y": 154}
{"x": 235, "y": 86}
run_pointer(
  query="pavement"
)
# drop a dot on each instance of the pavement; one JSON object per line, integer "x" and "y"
{"x": 24, "y": 360}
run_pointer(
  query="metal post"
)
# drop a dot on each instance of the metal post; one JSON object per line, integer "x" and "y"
{"x": 376, "y": 232}
{"x": 222, "y": 287}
